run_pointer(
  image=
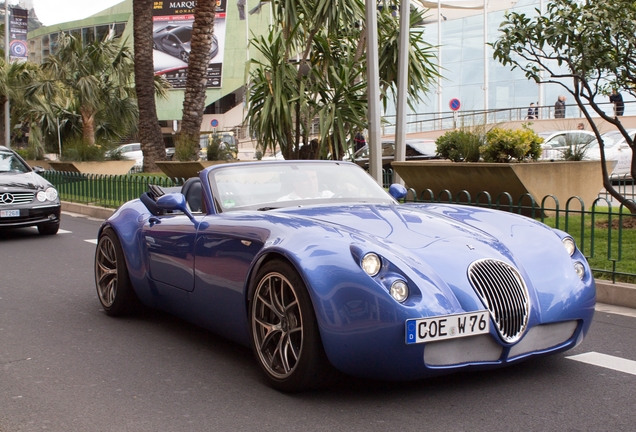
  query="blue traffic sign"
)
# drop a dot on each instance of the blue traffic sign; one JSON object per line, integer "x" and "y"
{"x": 454, "y": 104}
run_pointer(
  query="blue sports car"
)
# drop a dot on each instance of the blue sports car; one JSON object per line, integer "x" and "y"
{"x": 316, "y": 267}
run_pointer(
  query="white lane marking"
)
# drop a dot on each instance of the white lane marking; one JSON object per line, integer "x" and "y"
{"x": 93, "y": 241}
{"x": 61, "y": 231}
{"x": 606, "y": 361}
{"x": 618, "y": 310}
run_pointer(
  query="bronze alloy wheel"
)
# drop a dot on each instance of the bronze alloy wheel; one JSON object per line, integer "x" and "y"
{"x": 114, "y": 289}
{"x": 106, "y": 271}
{"x": 277, "y": 325}
{"x": 285, "y": 333}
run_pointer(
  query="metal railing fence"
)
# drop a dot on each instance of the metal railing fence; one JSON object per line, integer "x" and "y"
{"x": 605, "y": 232}
{"x": 104, "y": 190}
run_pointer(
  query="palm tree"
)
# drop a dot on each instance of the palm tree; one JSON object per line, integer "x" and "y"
{"x": 150, "y": 135}
{"x": 196, "y": 83}
{"x": 14, "y": 78}
{"x": 313, "y": 65}
{"x": 93, "y": 83}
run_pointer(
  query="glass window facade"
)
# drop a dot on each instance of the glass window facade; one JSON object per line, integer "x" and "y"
{"x": 87, "y": 34}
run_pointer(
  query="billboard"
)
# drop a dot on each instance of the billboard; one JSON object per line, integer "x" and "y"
{"x": 18, "y": 48}
{"x": 171, "y": 34}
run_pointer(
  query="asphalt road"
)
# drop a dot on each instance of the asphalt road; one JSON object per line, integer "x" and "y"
{"x": 66, "y": 366}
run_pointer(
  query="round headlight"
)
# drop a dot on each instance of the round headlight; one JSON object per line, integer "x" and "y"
{"x": 579, "y": 268}
{"x": 51, "y": 194}
{"x": 371, "y": 264}
{"x": 569, "y": 245}
{"x": 399, "y": 290}
{"x": 41, "y": 196}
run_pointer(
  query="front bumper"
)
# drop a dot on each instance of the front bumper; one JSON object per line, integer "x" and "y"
{"x": 30, "y": 216}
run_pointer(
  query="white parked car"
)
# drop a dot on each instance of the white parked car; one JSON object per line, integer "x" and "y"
{"x": 555, "y": 143}
{"x": 131, "y": 152}
{"x": 616, "y": 148}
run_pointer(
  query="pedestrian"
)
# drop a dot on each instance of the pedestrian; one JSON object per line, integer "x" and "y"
{"x": 617, "y": 100}
{"x": 359, "y": 141}
{"x": 580, "y": 126}
{"x": 533, "y": 112}
{"x": 559, "y": 107}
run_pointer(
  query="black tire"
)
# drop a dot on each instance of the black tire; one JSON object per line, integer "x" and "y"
{"x": 114, "y": 290}
{"x": 49, "y": 228}
{"x": 185, "y": 56}
{"x": 282, "y": 316}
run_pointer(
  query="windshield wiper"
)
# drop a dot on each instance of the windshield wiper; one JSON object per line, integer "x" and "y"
{"x": 267, "y": 208}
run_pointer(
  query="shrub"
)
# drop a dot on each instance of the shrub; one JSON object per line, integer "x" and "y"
{"x": 76, "y": 150}
{"x": 507, "y": 145}
{"x": 576, "y": 148}
{"x": 460, "y": 145}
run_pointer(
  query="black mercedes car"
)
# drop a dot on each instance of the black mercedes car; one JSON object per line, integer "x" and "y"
{"x": 175, "y": 40}
{"x": 26, "y": 199}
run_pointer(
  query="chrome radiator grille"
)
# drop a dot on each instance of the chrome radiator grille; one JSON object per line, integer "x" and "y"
{"x": 505, "y": 295}
{"x": 16, "y": 198}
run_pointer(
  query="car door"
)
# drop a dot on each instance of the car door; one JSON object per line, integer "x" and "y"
{"x": 169, "y": 242}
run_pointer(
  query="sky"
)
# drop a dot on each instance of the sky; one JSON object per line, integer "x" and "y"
{"x": 51, "y": 12}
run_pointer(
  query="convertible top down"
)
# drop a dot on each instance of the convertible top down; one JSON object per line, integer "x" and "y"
{"x": 315, "y": 266}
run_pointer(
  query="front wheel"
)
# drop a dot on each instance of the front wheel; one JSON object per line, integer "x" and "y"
{"x": 49, "y": 228}
{"x": 285, "y": 335}
{"x": 114, "y": 289}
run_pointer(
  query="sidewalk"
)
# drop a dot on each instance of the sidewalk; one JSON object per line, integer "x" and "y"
{"x": 618, "y": 294}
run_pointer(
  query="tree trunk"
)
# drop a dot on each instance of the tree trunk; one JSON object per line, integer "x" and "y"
{"x": 88, "y": 126}
{"x": 150, "y": 137}
{"x": 196, "y": 82}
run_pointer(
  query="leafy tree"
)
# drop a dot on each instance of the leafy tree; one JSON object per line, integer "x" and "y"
{"x": 586, "y": 47}
{"x": 11, "y": 77}
{"x": 92, "y": 86}
{"x": 187, "y": 142}
{"x": 150, "y": 136}
{"x": 312, "y": 64}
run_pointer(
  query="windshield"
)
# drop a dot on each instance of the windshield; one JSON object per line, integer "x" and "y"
{"x": 9, "y": 162}
{"x": 271, "y": 185}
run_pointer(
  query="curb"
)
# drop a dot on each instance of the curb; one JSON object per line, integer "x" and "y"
{"x": 87, "y": 210}
{"x": 617, "y": 294}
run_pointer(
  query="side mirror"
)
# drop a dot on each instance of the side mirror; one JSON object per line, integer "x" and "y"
{"x": 397, "y": 191}
{"x": 176, "y": 202}
{"x": 172, "y": 202}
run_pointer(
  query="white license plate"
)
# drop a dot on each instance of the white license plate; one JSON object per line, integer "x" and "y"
{"x": 447, "y": 327}
{"x": 9, "y": 213}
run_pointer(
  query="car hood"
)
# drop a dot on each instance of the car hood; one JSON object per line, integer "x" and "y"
{"x": 435, "y": 245}
{"x": 410, "y": 228}
{"x": 22, "y": 181}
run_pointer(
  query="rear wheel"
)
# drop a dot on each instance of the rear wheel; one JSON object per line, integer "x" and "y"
{"x": 114, "y": 289}
{"x": 285, "y": 335}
